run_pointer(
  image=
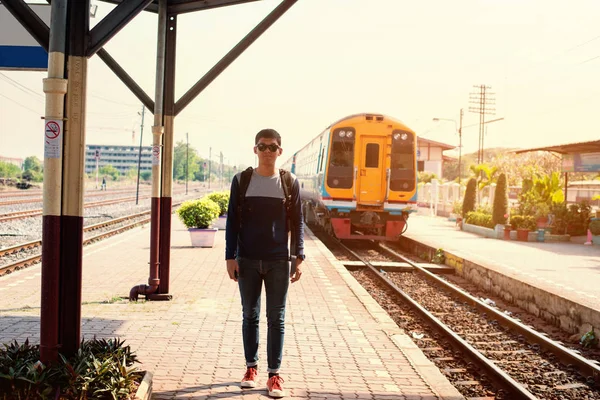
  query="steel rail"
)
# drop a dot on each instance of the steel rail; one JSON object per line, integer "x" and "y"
{"x": 39, "y": 199}
{"x": 37, "y": 243}
{"x": 589, "y": 369}
{"x": 516, "y": 390}
{"x": 34, "y": 213}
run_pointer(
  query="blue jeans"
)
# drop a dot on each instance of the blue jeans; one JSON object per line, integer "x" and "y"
{"x": 276, "y": 276}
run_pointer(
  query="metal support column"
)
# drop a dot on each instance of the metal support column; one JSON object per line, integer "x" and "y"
{"x": 157, "y": 132}
{"x": 55, "y": 87}
{"x": 166, "y": 200}
{"x": 71, "y": 237}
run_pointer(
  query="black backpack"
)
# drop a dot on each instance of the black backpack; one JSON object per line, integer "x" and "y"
{"x": 286, "y": 184}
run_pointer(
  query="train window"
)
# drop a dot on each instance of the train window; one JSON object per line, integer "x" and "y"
{"x": 322, "y": 158}
{"x": 342, "y": 154}
{"x": 372, "y": 156}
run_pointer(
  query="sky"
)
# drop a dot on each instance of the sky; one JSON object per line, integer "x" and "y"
{"x": 326, "y": 59}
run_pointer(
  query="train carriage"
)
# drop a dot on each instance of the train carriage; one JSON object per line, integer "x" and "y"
{"x": 358, "y": 178}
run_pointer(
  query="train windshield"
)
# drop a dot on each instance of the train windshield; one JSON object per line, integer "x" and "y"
{"x": 342, "y": 154}
{"x": 402, "y": 162}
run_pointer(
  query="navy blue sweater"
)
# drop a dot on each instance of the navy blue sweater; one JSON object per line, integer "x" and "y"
{"x": 263, "y": 233}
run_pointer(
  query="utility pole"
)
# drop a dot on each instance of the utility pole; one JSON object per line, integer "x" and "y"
{"x": 220, "y": 169}
{"x": 137, "y": 190}
{"x": 209, "y": 164}
{"x": 460, "y": 146}
{"x": 481, "y": 102}
{"x": 187, "y": 160}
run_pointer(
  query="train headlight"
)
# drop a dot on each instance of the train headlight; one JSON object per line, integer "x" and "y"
{"x": 349, "y": 134}
{"x": 404, "y": 136}
{"x": 336, "y": 182}
{"x": 396, "y": 136}
{"x": 342, "y": 133}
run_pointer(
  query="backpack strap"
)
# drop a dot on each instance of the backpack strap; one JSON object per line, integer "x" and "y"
{"x": 286, "y": 184}
{"x": 245, "y": 177}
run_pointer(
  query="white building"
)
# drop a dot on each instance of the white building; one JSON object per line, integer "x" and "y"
{"x": 430, "y": 157}
{"x": 123, "y": 158}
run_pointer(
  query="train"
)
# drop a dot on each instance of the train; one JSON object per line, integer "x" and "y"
{"x": 358, "y": 178}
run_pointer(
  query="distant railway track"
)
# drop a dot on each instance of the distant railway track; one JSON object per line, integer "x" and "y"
{"x": 520, "y": 362}
{"x": 144, "y": 217}
{"x": 23, "y": 199}
{"x": 37, "y": 212}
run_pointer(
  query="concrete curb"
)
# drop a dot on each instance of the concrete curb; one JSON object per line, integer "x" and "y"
{"x": 144, "y": 392}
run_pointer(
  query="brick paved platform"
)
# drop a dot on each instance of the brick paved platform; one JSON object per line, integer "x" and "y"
{"x": 339, "y": 343}
{"x": 565, "y": 271}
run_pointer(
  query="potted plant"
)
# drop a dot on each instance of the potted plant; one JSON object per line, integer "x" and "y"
{"x": 594, "y": 227}
{"x": 222, "y": 199}
{"x": 197, "y": 216}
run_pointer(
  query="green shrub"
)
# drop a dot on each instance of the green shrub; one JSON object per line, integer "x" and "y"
{"x": 595, "y": 227}
{"x": 516, "y": 221}
{"x": 198, "y": 213}
{"x": 470, "y": 197}
{"x": 222, "y": 199}
{"x": 101, "y": 369}
{"x": 529, "y": 223}
{"x": 479, "y": 219}
{"x": 500, "y": 202}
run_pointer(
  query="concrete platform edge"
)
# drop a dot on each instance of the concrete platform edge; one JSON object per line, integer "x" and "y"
{"x": 559, "y": 311}
{"x": 431, "y": 374}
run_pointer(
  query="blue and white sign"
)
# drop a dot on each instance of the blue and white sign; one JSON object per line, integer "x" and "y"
{"x": 18, "y": 49}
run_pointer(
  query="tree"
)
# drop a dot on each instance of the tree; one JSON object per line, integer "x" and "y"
{"x": 32, "y": 163}
{"x": 470, "y": 197}
{"x": 179, "y": 161}
{"x": 8, "y": 170}
{"x": 500, "y": 202}
{"x": 146, "y": 175}
{"x": 131, "y": 174}
{"x": 110, "y": 171}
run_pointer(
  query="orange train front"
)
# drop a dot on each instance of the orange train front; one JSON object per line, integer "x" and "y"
{"x": 358, "y": 178}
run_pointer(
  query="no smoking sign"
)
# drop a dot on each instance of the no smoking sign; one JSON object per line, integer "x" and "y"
{"x": 52, "y": 139}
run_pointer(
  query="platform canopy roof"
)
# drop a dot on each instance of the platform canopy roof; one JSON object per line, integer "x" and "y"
{"x": 581, "y": 147}
{"x": 184, "y": 6}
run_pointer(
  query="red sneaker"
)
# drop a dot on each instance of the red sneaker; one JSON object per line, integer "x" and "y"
{"x": 274, "y": 387}
{"x": 249, "y": 379}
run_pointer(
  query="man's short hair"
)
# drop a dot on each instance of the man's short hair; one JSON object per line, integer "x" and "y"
{"x": 268, "y": 134}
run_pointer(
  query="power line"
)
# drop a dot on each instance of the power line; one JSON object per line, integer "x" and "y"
{"x": 21, "y": 87}
{"x": 19, "y": 104}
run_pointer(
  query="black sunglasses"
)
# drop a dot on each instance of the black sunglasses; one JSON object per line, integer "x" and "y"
{"x": 272, "y": 147}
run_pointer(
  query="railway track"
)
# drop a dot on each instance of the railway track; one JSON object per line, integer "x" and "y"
{"x": 141, "y": 218}
{"x": 506, "y": 358}
{"x": 23, "y": 199}
{"x": 37, "y": 212}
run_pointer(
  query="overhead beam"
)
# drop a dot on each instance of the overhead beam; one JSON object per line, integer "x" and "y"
{"x": 152, "y": 7}
{"x": 126, "y": 79}
{"x": 30, "y": 20}
{"x": 185, "y": 6}
{"x": 110, "y": 25}
{"x": 233, "y": 55}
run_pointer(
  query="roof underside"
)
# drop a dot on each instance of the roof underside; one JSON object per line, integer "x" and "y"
{"x": 581, "y": 147}
{"x": 185, "y": 6}
{"x": 432, "y": 143}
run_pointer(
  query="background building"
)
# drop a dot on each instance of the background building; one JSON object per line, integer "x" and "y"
{"x": 11, "y": 160}
{"x": 123, "y": 158}
{"x": 430, "y": 157}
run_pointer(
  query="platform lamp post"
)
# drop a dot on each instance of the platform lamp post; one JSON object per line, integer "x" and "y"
{"x": 459, "y": 131}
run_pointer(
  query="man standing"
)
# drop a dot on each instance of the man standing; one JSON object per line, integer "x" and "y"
{"x": 257, "y": 251}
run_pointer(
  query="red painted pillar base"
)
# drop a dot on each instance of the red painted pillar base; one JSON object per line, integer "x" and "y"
{"x": 165, "y": 244}
{"x": 71, "y": 254}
